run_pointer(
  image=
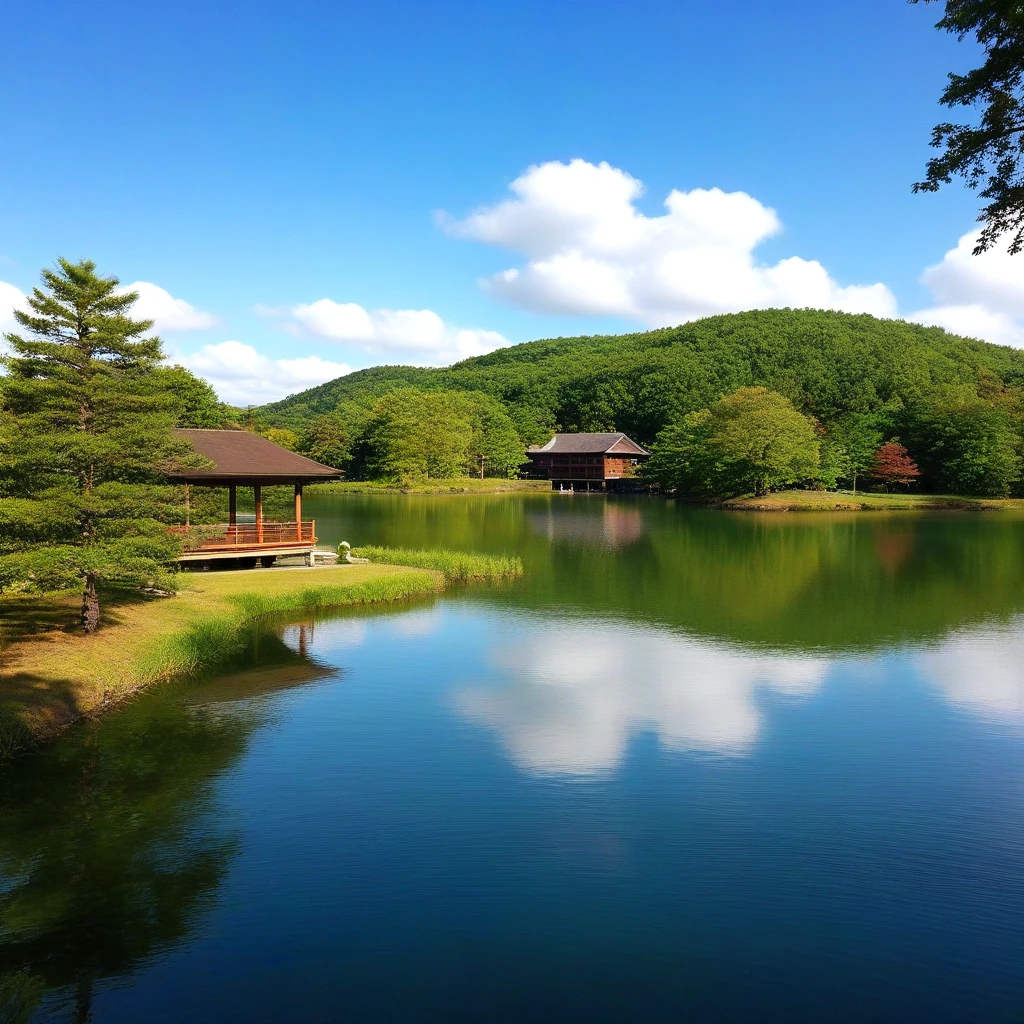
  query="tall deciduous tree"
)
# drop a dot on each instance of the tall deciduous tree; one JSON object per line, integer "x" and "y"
{"x": 751, "y": 440}
{"x": 969, "y": 446}
{"x": 682, "y": 458}
{"x": 328, "y": 440}
{"x": 761, "y": 441}
{"x": 495, "y": 439}
{"x": 87, "y": 413}
{"x": 414, "y": 434}
{"x": 859, "y": 437}
{"x": 198, "y": 405}
{"x": 987, "y": 154}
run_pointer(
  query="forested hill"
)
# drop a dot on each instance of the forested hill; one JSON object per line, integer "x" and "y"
{"x": 827, "y": 363}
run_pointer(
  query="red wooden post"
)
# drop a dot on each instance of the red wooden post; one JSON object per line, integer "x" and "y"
{"x": 258, "y": 495}
{"x": 298, "y": 512}
{"x": 232, "y": 513}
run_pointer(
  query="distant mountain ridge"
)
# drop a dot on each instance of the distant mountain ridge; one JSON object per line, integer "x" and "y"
{"x": 828, "y": 363}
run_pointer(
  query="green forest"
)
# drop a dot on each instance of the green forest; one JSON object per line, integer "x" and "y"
{"x": 880, "y": 402}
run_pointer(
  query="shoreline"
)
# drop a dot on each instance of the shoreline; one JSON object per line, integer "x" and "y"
{"x": 778, "y": 501}
{"x": 846, "y": 501}
{"x": 53, "y": 677}
{"x": 457, "y": 485}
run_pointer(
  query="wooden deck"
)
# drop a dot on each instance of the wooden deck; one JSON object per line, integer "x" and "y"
{"x": 247, "y": 540}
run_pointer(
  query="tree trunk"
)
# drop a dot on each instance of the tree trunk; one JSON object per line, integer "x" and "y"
{"x": 83, "y": 1001}
{"x": 90, "y": 604}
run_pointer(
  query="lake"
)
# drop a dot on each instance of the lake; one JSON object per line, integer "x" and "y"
{"x": 694, "y": 766}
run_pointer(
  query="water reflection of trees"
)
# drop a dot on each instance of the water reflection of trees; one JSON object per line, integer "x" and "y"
{"x": 788, "y": 580}
{"x": 108, "y": 854}
{"x": 830, "y": 582}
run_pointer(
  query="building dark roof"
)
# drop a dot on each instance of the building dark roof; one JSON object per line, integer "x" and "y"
{"x": 590, "y": 444}
{"x": 241, "y": 457}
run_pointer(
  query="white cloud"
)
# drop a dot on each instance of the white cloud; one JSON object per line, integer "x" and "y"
{"x": 978, "y": 670}
{"x": 578, "y": 692}
{"x": 973, "y": 321}
{"x": 978, "y": 296}
{"x": 241, "y": 375}
{"x": 167, "y": 312}
{"x": 419, "y": 334}
{"x": 591, "y": 251}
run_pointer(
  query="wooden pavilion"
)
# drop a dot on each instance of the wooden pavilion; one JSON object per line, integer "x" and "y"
{"x": 242, "y": 459}
{"x": 587, "y": 461}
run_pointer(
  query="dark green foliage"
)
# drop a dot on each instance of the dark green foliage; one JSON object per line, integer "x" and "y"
{"x": 680, "y": 458}
{"x": 364, "y": 387}
{"x": 968, "y": 446}
{"x": 849, "y": 447}
{"x": 111, "y": 850}
{"x": 987, "y": 154}
{"x": 328, "y": 440}
{"x": 88, "y": 409}
{"x": 196, "y": 404}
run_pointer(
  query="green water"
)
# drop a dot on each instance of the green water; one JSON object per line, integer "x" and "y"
{"x": 694, "y": 765}
{"x": 786, "y": 580}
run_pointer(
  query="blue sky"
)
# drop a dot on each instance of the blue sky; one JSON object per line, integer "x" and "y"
{"x": 277, "y": 175}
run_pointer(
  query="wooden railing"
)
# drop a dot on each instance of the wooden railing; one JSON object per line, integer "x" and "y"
{"x": 247, "y": 535}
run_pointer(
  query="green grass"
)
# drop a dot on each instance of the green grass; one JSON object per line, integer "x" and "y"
{"x": 831, "y": 501}
{"x": 214, "y": 642}
{"x": 456, "y": 485}
{"x": 456, "y": 566}
{"x": 50, "y": 673}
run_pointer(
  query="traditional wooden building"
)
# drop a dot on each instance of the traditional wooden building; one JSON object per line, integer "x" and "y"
{"x": 241, "y": 459}
{"x": 585, "y": 462}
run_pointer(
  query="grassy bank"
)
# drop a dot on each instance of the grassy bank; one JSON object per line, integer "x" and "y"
{"x": 455, "y": 566}
{"x": 457, "y": 485}
{"x": 52, "y": 674}
{"x": 833, "y": 501}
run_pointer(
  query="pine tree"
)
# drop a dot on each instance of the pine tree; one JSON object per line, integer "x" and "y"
{"x": 86, "y": 414}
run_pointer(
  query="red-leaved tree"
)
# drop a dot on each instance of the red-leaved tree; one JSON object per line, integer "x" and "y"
{"x": 892, "y": 464}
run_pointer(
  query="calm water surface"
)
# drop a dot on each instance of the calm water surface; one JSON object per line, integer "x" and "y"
{"x": 695, "y": 766}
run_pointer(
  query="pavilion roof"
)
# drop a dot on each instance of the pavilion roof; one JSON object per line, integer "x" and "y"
{"x": 240, "y": 457}
{"x": 591, "y": 444}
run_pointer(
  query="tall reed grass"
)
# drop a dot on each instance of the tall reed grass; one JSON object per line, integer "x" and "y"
{"x": 457, "y": 566}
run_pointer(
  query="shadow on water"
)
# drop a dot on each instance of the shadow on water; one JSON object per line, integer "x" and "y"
{"x": 111, "y": 850}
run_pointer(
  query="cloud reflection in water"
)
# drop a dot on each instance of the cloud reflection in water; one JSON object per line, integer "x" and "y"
{"x": 576, "y": 693}
{"x": 567, "y": 696}
{"x": 980, "y": 671}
